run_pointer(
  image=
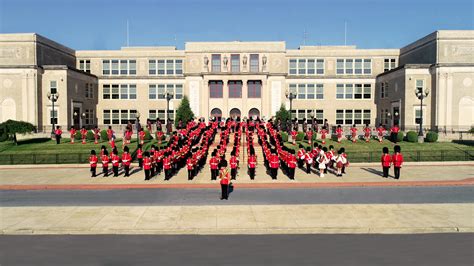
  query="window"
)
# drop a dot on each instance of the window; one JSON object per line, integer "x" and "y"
{"x": 169, "y": 67}
{"x": 319, "y": 115}
{"x": 116, "y": 67}
{"x": 89, "y": 118}
{"x": 389, "y": 64}
{"x": 301, "y": 91}
{"x": 215, "y": 89}
{"x": 357, "y": 117}
{"x": 353, "y": 91}
{"x": 85, "y": 65}
{"x": 152, "y": 114}
{"x": 157, "y": 91}
{"x": 254, "y": 63}
{"x": 107, "y": 117}
{"x": 152, "y": 92}
{"x": 122, "y": 91}
{"x": 350, "y": 117}
{"x": 254, "y": 89}
{"x": 216, "y": 63}
{"x": 235, "y": 63}
{"x": 178, "y": 67}
{"x": 89, "y": 91}
{"x": 383, "y": 90}
{"x": 310, "y": 91}
{"x": 307, "y": 91}
{"x": 354, "y": 66}
{"x": 339, "y": 117}
{"x": 161, "y": 91}
{"x": 418, "y": 114}
{"x": 53, "y": 87}
{"x": 152, "y": 67}
{"x": 420, "y": 85}
{"x": 235, "y": 89}
{"x": 366, "y": 117}
{"x": 161, "y": 67}
{"x": 178, "y": 92}
{"x": 306, "y": 66}
{"x": 55, "y": 115}
{"x": 117, "y": 117}
{"x": 319, "y": 91}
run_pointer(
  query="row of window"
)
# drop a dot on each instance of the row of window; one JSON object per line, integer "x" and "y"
{"x": 306, "y": 67}
{"x": 89, "y": 118}
{"x": 354, "y": 66}
{"x": 119, "y": 117}
{"x": 307, "y": 91}
{"x": 89, "y": 91}
{"x": 85, "y": 65}
{"x": 308, "y": 114}
{"x": 119, "y": 67}
{"x": 158, "y": 91}
{"x": 216, "y": 87}
{"x": 165, "y": 67}
{"x": 350, "y": 117}
{"x": 161, "y": 114}
{"x": 119, "y": 91}
{"x": 216, "y": 65}
{"x": 353, "y": 91}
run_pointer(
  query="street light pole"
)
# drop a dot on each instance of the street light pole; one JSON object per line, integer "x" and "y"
{"x": 53, "y": 97}
{"x": 137, "y": 127}
{"x": 290, "y": 96}
{"x": 420, "y": 94}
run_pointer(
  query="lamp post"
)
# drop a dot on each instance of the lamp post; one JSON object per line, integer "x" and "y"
{"x": 137, "y": 126}
{"x": 290, "y": 95}
{"x": 420, "y": 94}
{"x": 83, "y": 121}
{"x": 169, "y": 95}
{"x": 53, "y": 97}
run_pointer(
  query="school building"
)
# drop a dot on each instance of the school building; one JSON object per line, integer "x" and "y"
{"x": 343, "y": 84}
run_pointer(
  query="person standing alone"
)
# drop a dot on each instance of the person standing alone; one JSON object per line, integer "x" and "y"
{"x": 224, "y": 180}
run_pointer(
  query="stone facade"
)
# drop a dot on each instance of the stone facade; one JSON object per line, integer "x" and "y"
{"x": 340, "y": 83}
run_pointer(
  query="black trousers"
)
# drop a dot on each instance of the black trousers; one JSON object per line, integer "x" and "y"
{"x": 300, "y": 163}
{"x": 343, "y": 169}
{"x": 147, "y": 174}
{"x": 159, "y": 167}
{"x": 393, "y": 136}
{"x": 396, "y": 170}
{"x": 93, "y": 170}
{"x": 233, "y": 173}
{"x": 274, "y": 172}
{"x": 140, "y": 162}
{"x": 291, "y": 173}
{"x": 308, "y": 168}
{"x": 152, "y": 170}
{"x": 190, "y": 174}
{"x": 58, "y": 139}
{"x": 127, "y": 170}
{"x": 167, "y": 174}
{"x": 214, "y": 174}
{"x": 105, "y": 170}
{"x": 252, "y": 173}
{"x": 115, "y": 169}
{"x": 385, "y": 171}
{"x": 225, "y": 191}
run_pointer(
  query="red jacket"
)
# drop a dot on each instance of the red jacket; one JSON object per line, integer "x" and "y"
{"x": 105, "y": 160}
{"x": 291, "y": 161}
{"x": 213, "y": 162}
{"x": 252, "y": 161}
{"x": 189, "y": 164}
{"x": 397, "y": 160}
{"x": 386, "y": 160}
{"x": 58, "y": 132}
{"x": 166, "y": 163}
{"x": 339, "y": 132}
{"x": 139, "y": 153}
{"x": 84, "y": 132}
{"x": 233, "y": 162}
{"x": 274, "y": 161}
{"x": 93, "y": 160}
{"x": 126, "y": 158}
{"x": 147, "y": 163}
{"x": 115, "y": 160}
{"x": 142, "y": 135}
{"x": 224, "y": 176}
{"x": 353, "y": 131}
{"x": 394, "y": 129}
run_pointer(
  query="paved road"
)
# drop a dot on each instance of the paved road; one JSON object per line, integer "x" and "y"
{"x": 428, "y": 249}
{"x": 136, "y": 197}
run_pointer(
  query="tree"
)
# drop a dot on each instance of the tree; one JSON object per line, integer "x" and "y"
{"x": 13, "y": 127}
{"x": 184, "y": 112}
{"x": 282, "y": 114}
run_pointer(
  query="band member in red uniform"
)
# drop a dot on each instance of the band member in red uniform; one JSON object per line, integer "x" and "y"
{"x": 291, "y": 159}
{"x": 339, "y": 133}
{"x": 367, "y": 133}
{"x": 293, "y": 136}
{"x": 274, "y": 164}
{"x": 213, "y": 163}
{"x": 190, "y": 166}
{"x": 167, "y": 166}
{"x": 126, "y": 161}
{"x": 147, "y": 165}
{"x": 301, "y": 156}
{"x": 233, "y": 165}
{"x": 224, "y": 180}
{"x": 96, "y": 132}
{"x": 72, "y": 133}
{"x": 159, "y": 136}
{"x": 93, "y": 163}
{"x": 353, "y": 133}
{"x": 252, "y": 163}
{"x": 57, "y": 134}
{"x": 308, "y": 158}
{"x": 140, "y": 156}
{"x": 105, "y": 163}
{"x": 83, "y": 135}
{"x": 394, "y": 133}
{"x": 115, "y": 162}
{"x": 380, "y": 132}
{"x": 110, "y": 134}
{"x": 141, "y": 134}
{"x": 149, "y": 127}
{"x": 397, "y": 160}
{"x": 324, "y": 132}
{"x": 386, "y": 161}
{"x": 309, "y": 136}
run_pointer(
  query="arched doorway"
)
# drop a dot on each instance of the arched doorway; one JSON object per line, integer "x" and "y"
{"x": 234, "y": 113}
{"x": 254, "y": 113}
{"x": 216, "y": 112}
{"x": 466, "y": 113}
{"x": 8, "y": 110}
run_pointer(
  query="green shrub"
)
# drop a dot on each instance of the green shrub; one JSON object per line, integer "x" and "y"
{"x": 284, "y": 136}
{"x": 400, "y": 136}
{"x": 148, "y": 135}
{"x": 412, "y": 136}
{"x": 78, "y": 135}
{"x": 431, "y": 136}
{"x": 90, "y": 135}
{"x": 3, "y": 133}
{"x": 103, "y": 135}
{"x": 300, "y": 136}
{"x": 315, "y": 135}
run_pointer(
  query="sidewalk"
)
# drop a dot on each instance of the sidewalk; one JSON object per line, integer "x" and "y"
{"x": 238, "y": 219}
{"x": 69, "y": 176}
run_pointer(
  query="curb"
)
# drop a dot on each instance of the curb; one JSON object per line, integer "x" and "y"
{"x": 245, "y": 231}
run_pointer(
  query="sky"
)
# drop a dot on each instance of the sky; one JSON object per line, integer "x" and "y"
{"x": 102, "y": 25}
